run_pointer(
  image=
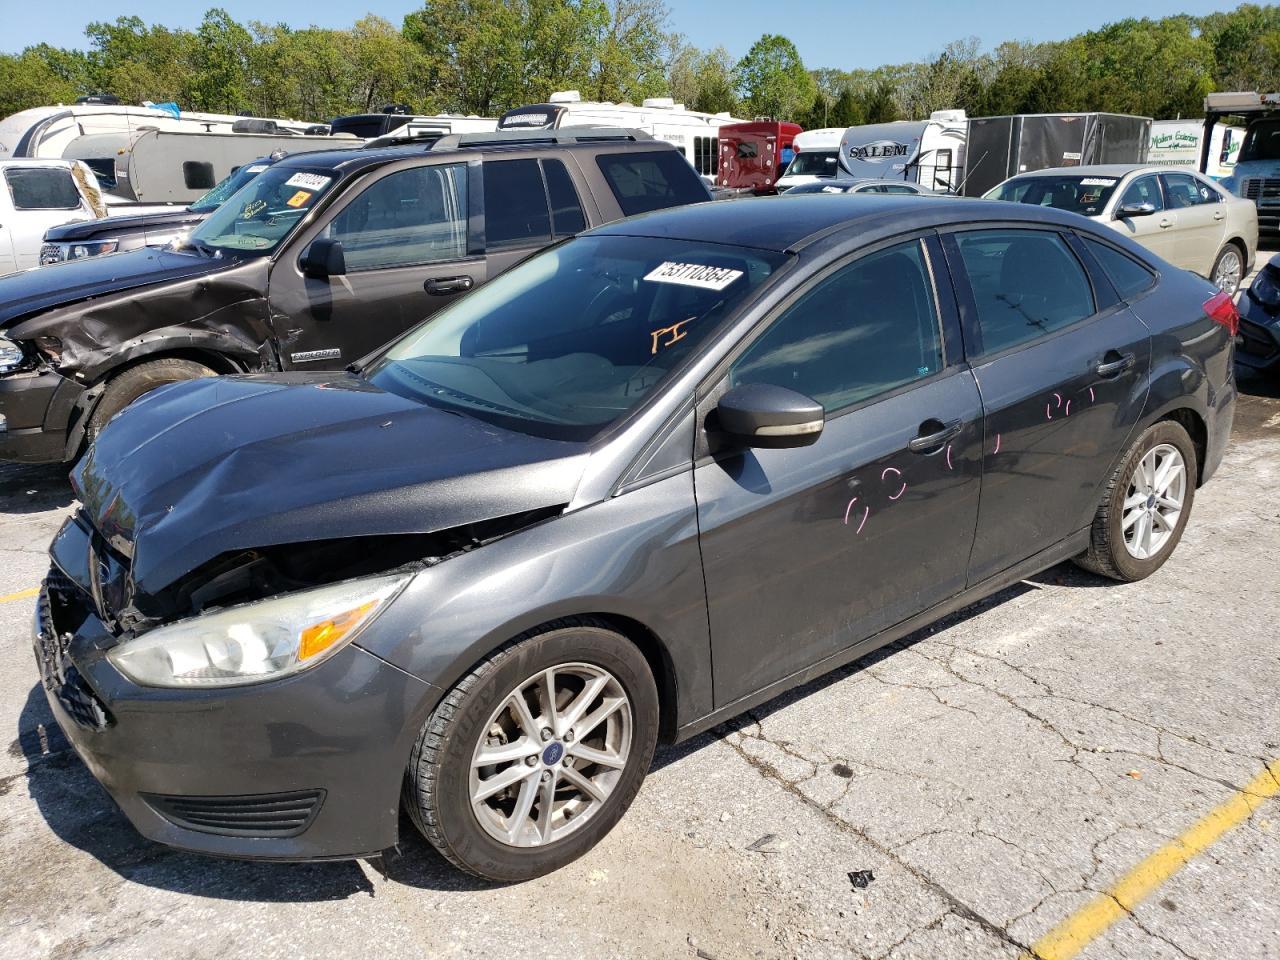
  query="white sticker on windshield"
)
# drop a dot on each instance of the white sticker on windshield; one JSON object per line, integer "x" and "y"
{"x": 693, "y": 275}
{"x": 1097, "y": 182}
{"x": 311, "y": 181}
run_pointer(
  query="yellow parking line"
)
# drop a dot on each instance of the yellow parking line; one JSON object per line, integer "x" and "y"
{"x": 1093, "y": 919}
{"x": 20, "y": 595}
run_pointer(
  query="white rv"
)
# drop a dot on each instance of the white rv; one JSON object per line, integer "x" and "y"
{"x": 693, "y": 132}
{"x": 817, "y": 158}
{"x": 395, "y": 120}
{"x": 1176, "y": 143}
{"x": 928, "y": 152}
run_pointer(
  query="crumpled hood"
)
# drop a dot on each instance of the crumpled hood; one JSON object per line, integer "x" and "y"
{"x": 196, "y": 469}
{"x": 31, "y": 291}
{"x": 111, "y": 226}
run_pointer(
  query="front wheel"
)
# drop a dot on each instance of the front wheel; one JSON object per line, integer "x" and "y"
{"x": 1228, "y": 269}
{"x": 128, "y": 386}
{"x": 1145, "y": 506}
{"x": 535, "y": 755}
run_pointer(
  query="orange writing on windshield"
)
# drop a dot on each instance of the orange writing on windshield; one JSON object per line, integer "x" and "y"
{"x": 673, "y": 333}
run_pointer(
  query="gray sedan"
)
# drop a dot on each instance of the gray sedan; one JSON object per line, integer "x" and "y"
{"x": 903, "y": 187}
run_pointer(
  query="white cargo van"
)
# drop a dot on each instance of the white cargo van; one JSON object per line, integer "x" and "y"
{"x": 1176, "y": 143}
{"x": 695, "y": 133}
{"x": 928, "y": 152}
{"x": 817, "y": 158}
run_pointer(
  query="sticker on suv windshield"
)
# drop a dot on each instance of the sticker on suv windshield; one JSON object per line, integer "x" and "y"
{"x": 693, "y": 275}
{"x": 1097, "y": 182}
{"x": 299, "y": 198}
{"x": 308, "y": 181}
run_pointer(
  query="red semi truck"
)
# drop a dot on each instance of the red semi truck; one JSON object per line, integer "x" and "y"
{"x": 753, "y": 155}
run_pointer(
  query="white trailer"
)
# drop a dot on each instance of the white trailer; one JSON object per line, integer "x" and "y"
{"x": 695, "y": 133}
{"x": 1176, "y": 143}
{"x": 928, "y": 152}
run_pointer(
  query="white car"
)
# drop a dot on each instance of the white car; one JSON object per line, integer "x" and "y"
{"x": 37, "y": 195}
{"x": 864, "y": 186}
{"x": 1180, "y": 215}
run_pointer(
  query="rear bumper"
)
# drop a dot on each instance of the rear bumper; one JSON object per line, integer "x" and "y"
{"x": 305, "y": 768}
{"x": 35, "y": 411}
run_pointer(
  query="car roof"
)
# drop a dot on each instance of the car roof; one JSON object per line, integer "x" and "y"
{"x": 789, "y": 222}
{"x": 1097, "y": 170}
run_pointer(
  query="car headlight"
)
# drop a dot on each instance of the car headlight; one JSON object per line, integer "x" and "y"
{"x": 1264, "y": 289}
{"x": 257, "y": 641}
{"x": 95, "y": 248}
{"x": 11, "y": 356}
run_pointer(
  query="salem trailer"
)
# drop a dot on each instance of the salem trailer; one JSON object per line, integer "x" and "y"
{"x": 754, "y": 155}
{"x": 928, "y": 152}
{"x": 1001, "y": 147}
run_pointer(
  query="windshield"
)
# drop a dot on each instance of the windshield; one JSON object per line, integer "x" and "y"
{"x": 1261, "y": 141}
{"x": 1079, "y": 194}
{"x": 815, "y": 163}
{"x": 566, "y": 343}
{"x": 217, "y": 196}
{"x": 261, "y": 213}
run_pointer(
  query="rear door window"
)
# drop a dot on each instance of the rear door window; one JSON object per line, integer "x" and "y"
{"x": 42, "y": 188}
{"x": 1129, "y": 277}
{"x": 515, "y": 204}
{"x": 408, "y": 217}
{"x": 1186, "y": 191}
{"x": 650, "y": 181}
{"x": 1026, "y": 283}
{"x": 566, "y": 210}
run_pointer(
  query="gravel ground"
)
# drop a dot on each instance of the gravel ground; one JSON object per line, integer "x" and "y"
{"x": 991, "y": 773}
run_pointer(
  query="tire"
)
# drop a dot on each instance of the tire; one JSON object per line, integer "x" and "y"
{"x": 440, "y": 781}
{"x": 1110, "y": 553}
{"x": 128, "y": 386}
{"x": 1228, "y": 269}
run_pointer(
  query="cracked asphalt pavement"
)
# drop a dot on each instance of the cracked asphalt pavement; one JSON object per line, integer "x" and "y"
{"x": 994, "y": 773}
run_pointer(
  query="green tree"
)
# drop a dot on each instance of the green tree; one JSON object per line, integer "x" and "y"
{"x": 879, "y": 105}
{"x": 772, "y": 79}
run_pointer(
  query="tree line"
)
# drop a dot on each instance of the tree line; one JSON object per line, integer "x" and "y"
{"x": 486, "y": 56}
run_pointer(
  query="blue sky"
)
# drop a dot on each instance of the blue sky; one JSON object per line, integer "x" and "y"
{"x": 829, "y": 33}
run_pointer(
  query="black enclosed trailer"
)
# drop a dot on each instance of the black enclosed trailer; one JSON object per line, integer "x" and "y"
{"x": 1001, "y": 147}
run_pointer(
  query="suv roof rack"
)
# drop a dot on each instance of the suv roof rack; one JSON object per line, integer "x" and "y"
{"x": 500, "y": 138}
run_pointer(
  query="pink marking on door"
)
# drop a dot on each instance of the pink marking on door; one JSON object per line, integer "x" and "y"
{"x": 866, "y": 511}
{"x": 888, "y": 470}
{"x": 1048, "y": 411}
{"x": 847, "y": 509}
{"x": 997, "y": 449}
{"x": 1091, "y": 394}
{"x": 1068, "y": 408}
{"x": 949, "y": 467}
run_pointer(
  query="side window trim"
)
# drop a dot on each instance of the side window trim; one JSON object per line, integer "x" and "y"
{"x": 1102, "y": 270}
{"x": 716, "y": 382}
{"x": 526, "y": 243}
{"x": 975, "y": 349}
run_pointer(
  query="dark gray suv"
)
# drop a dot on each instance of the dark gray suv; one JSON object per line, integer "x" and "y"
{"x": 638, "y": 484}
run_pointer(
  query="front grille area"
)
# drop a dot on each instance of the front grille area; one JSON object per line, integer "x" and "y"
{"x": 1255, "y": 341}
{"x": 1262, "y": 188}
{"x": 257, "y": 815}
{"x": 58, "y": 674}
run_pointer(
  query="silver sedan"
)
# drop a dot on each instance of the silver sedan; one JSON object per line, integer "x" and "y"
{"x": 1176, "y": 213}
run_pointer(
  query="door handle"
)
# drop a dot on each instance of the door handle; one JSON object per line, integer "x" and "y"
{"x": 1219, "y": 215}
{"x": 1112, "y": 368}
{"x": 439, "y": 287}
{"x": 1165, "y": 224}
{"x": 939, "y": 434}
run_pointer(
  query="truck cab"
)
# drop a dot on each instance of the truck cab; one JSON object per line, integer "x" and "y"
{"x": 37, "y": 195}
{"x": 754, "y": 155}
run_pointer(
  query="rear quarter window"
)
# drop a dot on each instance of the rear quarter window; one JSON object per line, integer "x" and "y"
{"x": 42, "y": 188}
{"x": 1127, "y": 275}
{"x": 651, "y": 181}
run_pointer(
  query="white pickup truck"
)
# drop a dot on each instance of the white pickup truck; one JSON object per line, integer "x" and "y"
{"x": 36, "y": 195}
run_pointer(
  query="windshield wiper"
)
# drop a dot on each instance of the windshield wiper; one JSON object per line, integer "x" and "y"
{"x": 201, "y": 247}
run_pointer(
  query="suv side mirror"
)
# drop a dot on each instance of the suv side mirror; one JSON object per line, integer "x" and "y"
{"x": 764, "y": 415}
{"x": 323, "y": 259}
{"x": 1135, "y": 210}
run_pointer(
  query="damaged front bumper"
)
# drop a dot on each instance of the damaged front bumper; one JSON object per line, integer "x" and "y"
{"x": 307, "y": 767}
{"x": 36, "y": 408}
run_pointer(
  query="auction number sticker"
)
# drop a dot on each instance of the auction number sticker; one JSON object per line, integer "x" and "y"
{"x": 693, "y": 275}
{"x": 308, "y": 181}
{"x": 1097, "y": 182}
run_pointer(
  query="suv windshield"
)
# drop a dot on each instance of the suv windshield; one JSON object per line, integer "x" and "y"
{"x": 261, "y": 213}
{"x": 815, "y": 163}
{"x": 569, "y": 341}
{"x": 1261, "y": 141}
{"x": 1086, "y": 195}
{"x": 217, "y": 196}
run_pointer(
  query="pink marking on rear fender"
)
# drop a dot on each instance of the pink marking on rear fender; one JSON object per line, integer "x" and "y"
{"x": 997, "y": 449}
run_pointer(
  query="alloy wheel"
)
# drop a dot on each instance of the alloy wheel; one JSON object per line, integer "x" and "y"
{"x": 551, "y": 755}
{"x": 1229, "y": 272}
{"x": 1154, "y": 501}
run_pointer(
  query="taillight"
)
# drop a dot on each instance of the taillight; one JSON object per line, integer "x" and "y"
{"x": 1222, "y": 309}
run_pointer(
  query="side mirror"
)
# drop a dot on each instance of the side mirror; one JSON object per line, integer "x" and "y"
{"x": 764, "y": 415}
{"x": 323, "y": 259}
{"x": 1135, "y": 210}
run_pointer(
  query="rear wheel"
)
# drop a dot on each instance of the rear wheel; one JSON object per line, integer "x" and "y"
{"x": 1145, "y": 507}
{"x": 1228, "y": 269}
{"x": 128, "y": 386}
{"x": 535, "y": 755}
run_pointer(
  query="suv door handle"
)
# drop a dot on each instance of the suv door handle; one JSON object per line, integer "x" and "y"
{"x": 439, "y": 287}
{"x": 1112, "y": 368}
{"x": 933, "y": 440}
